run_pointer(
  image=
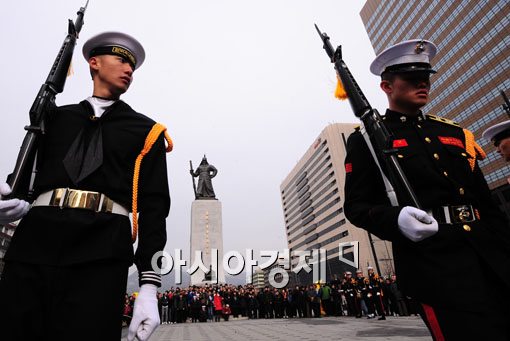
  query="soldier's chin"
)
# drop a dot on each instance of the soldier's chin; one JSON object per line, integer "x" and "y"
{"x": 119, "y": 92}
{"x": 421, "y": 103}
{"x": 422, "y": 99}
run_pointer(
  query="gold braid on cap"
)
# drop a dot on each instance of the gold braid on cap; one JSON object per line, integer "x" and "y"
{"x": 151, "y": 138}
{"x": 473, "y": 149}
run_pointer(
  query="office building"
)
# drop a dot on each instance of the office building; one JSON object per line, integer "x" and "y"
{"x": 312, "y": 198}
{"x": 258, "y": 279}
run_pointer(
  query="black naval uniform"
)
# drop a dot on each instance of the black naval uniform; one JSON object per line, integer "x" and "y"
{"x": 349, "y": 287}
{"x": 361, "y": 296}
{"x": 462, "y": 256}
{"x": 67, "y": 268}
{"x": 376, "y": 304}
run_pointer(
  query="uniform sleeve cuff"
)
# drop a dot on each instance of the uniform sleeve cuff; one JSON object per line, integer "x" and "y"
{"x": 150, "y": 277}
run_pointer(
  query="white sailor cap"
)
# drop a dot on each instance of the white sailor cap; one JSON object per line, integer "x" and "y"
{"x": 497, "y": 132}
{"x": 115, "y": 43}
{"x": 407, "y": 56}
{"x": 370, "y": 268}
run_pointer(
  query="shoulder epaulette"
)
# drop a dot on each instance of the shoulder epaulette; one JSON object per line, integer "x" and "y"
{"x": 442, "y": 120}
{"x": 357, "y": 128}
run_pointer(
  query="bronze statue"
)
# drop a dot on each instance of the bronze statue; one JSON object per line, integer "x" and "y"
{"x": 205, "y": 173}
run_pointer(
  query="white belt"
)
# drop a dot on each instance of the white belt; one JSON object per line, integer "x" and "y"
{"x": 75, "y": 198}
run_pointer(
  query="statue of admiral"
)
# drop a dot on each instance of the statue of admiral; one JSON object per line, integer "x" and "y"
{"x": 205, "y": 172}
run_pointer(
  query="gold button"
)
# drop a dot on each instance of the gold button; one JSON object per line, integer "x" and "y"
{"x": 463, "y": 154}
{"x": 436, "y": 156}
{"x": 461, "y": 191}
{"x": 466, "y": 228}
{"x": 445, "y": 173}
{"x": 400, "y": 156}
{"x": 428, "y": 140}
{"x": 419, "y": 126}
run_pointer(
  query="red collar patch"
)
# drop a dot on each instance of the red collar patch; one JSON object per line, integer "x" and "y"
{"x": 400, "y": 143}
{"x": 452, "y": 141}
{"x": 348, "y": 168}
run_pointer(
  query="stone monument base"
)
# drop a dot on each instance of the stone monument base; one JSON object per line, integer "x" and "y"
{"x": 206, "y": 234}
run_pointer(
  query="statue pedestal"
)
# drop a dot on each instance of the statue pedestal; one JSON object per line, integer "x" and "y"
{"x": 206, "y": 234}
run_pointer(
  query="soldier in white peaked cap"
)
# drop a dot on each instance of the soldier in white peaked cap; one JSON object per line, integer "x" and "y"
{"x": 447, "y": 236}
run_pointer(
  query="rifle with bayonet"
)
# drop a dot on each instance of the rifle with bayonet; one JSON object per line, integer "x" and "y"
{"x": 22, "y": 177}
{"x": 377, "y": 136}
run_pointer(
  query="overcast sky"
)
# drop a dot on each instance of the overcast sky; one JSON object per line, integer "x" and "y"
{"x": 245, "y": 82}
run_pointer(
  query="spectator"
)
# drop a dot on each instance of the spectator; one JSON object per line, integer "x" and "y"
{"x": 226, "y": 312}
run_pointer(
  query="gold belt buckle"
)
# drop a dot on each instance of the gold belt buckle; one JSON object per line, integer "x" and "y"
{"x": 75, "y": 198}
{"x": 107, "y": 205}
{"x": 464, "y": 213}
{"x": 57, "y": 196}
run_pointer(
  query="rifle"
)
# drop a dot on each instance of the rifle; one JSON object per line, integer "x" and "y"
{"x": 193, "y": 179}
{"x": 22, "y": 177}
{"x": 375, "y": 133}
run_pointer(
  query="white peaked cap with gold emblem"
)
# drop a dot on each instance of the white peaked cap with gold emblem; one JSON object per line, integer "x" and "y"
{"x": 407, "y": 56}
{"x": 115, "y": 43}
{"x": 498, "y": 131}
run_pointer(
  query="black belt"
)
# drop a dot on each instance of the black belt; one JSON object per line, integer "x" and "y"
{"x": 458, "y": 214}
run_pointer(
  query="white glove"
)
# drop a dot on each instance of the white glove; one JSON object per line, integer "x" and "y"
{"x": 12, "y": 209}
{"x": 416, "y": 224}
{"x": 145, "y": 313}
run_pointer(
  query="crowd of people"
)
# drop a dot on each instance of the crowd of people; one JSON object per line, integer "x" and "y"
{"x": 359, "y": 296}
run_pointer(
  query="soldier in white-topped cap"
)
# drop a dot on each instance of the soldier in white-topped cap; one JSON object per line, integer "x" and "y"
{"x": 458, "y": 230}
{"x": 113, "y": 57}
{"x": 67, "y": 265}
{"x": 499, "y": 134}
{"x": 115, "y": 44}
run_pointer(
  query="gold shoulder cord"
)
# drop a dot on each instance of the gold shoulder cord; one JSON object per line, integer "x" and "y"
{"x": 151, "y": 138}
{"x": 442, "y": 120}
{"x": 473, "y": 149}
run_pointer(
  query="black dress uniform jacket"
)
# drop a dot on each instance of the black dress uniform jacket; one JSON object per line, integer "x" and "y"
{"x": 445, "y": 269}
{"x": 54, "y": 236}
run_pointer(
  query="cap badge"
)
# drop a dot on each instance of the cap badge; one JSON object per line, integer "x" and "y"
{"x": 420, "y": 47}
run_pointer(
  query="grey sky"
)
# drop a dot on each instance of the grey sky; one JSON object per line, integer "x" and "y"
{"x": 246, "y": 82}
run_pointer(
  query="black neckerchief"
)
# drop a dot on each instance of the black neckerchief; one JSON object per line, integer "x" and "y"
{"x": 85, "y": 155}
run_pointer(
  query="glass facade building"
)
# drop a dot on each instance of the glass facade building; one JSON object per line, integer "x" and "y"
{"x": 312, "y": 199}
{"x": 473, "y": 64}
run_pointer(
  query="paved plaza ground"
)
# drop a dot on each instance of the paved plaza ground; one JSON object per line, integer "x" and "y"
{"x": 305, "y": 329}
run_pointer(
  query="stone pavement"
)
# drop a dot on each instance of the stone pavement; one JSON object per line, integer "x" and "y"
{"x": 305, "y": 329}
